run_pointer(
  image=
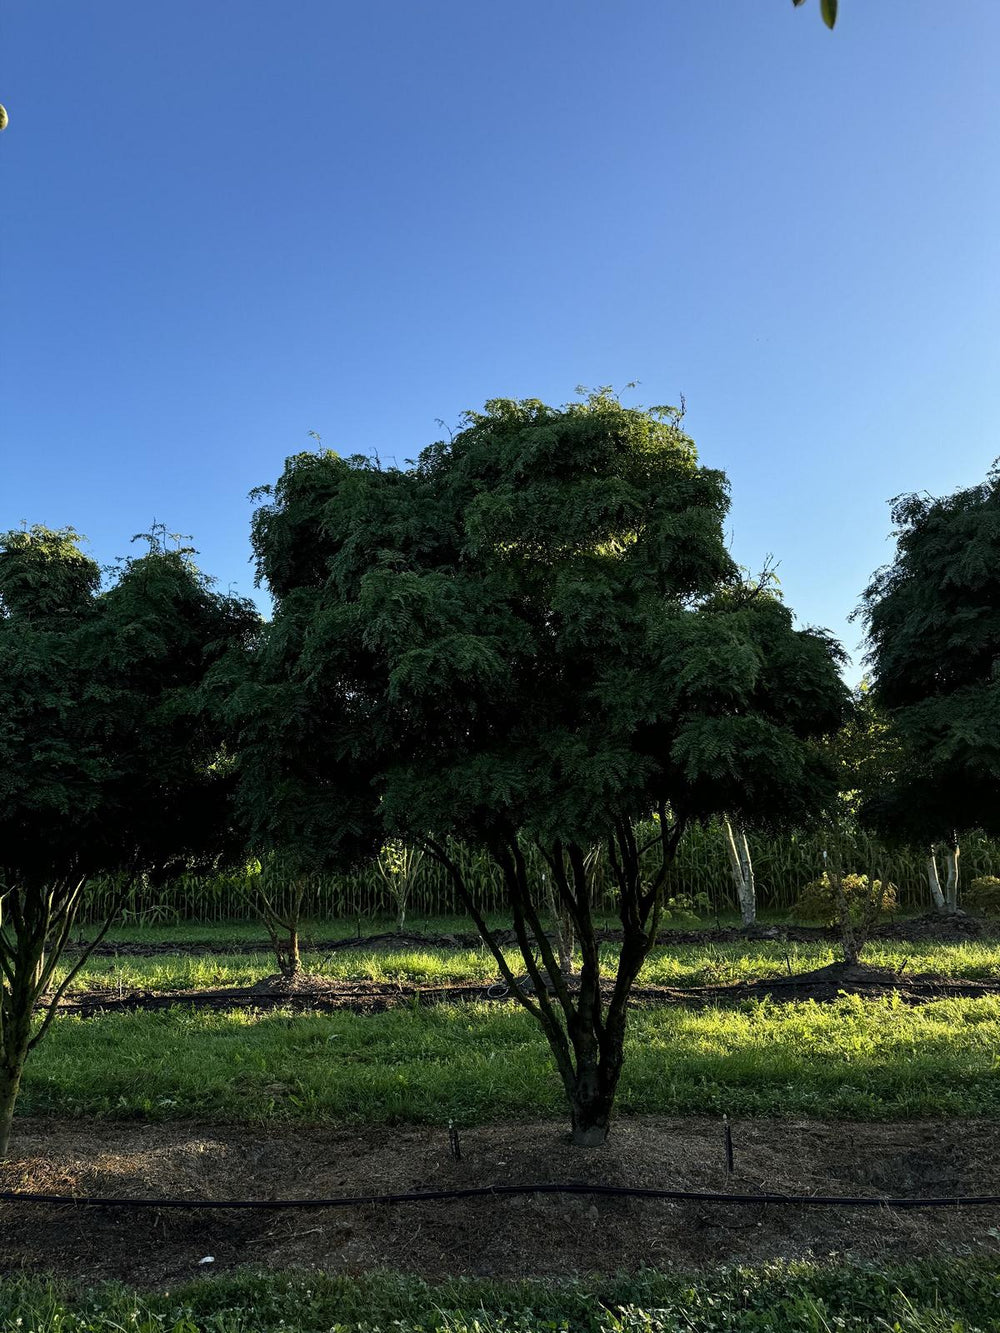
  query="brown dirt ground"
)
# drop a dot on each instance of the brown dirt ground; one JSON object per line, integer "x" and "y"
{"x": 317, "y": 994}
{"x": 544, "y": 1235}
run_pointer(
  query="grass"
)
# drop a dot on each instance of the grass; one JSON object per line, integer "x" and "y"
{"x": 332, "y": 928}
{"x": 672, "y": 965}
{"x": 473, "y": 1063}
{"x": 944, "y": 1296}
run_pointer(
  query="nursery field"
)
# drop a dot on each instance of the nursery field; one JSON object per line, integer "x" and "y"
{"x": 181, "y": 1067}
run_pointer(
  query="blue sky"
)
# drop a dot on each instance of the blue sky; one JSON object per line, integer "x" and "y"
{"x": 227, "y": 223}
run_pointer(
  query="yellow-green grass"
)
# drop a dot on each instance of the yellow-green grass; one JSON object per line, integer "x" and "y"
{"x": 672, "y": 965}
{"x": 855, "y": 1059}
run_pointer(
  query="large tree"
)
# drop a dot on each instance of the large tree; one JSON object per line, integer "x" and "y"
{"x": 110, "y": 763}
{"x": 933, "y": 623}
{"x": 533, "y": 639}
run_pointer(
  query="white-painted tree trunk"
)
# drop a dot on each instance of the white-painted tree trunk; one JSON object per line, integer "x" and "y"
{"x": 934, "y": 880}
{"x": 951, "y": 856}
{"x": 742, "y": 869}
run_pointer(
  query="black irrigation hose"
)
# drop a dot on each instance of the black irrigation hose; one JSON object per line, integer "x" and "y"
{"x": 480, "y": 1191}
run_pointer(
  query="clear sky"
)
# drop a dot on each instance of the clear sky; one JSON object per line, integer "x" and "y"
{"x": 227, "y": 223}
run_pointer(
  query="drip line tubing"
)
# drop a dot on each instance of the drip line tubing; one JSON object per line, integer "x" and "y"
{"x": 496, "y": 1191}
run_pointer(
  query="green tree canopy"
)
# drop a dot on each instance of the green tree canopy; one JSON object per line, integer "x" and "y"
{"x": 110, "y": 762}
{"x": 534, "y": 637}
{"x": 933, "y": 622}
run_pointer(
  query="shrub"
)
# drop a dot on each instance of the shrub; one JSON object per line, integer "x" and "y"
{"x": 866, "y": 899}
{"x": 983, "y": 896}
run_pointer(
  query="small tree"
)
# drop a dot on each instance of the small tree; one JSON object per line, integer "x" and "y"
{"x": 852, "y": 903}
{"x": 984, "y": 895}
{"x": 398, "y": 864}
{"x": 531, "y": 641}
{"x": 108, "y": 762}
{"x": 280, "y": 890}
{"x": 305, "y": 801}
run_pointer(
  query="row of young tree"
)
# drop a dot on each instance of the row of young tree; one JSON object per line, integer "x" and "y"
{"x": 533, "y": 641}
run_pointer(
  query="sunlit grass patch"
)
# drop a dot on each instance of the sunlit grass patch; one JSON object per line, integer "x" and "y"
{"x": 477, "y": 1062}
{"x": 680, "y": 966}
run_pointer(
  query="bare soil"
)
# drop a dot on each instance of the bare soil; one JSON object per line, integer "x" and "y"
{"x": 320, "y": 995}
{"x": 543, "y": 1235}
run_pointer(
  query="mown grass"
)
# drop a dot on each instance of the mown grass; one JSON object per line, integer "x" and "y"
{"x": 474, "y": 1063}
{"x": 219, "y": 933}
{"x": 672, "y": 965}
{"x": 944, "y": 1296}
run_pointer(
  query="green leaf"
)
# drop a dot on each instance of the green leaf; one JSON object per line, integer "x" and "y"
{"x": 828, "y": 9}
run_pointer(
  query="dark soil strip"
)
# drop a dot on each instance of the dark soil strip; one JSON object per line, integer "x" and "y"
{"x": 314, "y": 995}
{"x": 913, "y": 930}
{"x": 491, "y": 1236}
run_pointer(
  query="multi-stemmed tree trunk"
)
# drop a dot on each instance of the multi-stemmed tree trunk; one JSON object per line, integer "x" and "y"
{"x": 741, "y": 866}
{"x": 585, "y": 1029}
{"x": 282, "y": 920}
{"x": 36, "y": 921}
{"x": 945, "y": 899}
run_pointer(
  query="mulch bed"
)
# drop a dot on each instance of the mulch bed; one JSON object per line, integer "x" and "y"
{"x": 319, "y": 995}
{"x": 543, "y": 1235}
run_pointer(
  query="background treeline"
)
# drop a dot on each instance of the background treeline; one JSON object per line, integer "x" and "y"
{"x": 784, "y": 864}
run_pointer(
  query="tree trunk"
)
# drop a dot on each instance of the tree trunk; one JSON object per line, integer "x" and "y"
{"x": 585, "y": 1030}
{"x": 283, "y": 928}
{"x": 563, "y": 925}
{"x": 10, "y": 1083}
{"x": 590, "y": 1103}
{"x": 742, "y": 870}
{"x": 289, "y": 958}
{"x": 934, "y": 881}
{"x": 18, "y": 1005}
{"x": 951, "y": 879}
{"x": 37, "y": 923}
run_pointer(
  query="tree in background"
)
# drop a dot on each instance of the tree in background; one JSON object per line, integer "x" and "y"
{"x": 399, "y": 867}
{"x": 109, "y": 762}
{"x": 933, "y": 623}
{"x": 304, "y": 792}
{"x": 532, "y": 638}
{"x": 877, "y": 791}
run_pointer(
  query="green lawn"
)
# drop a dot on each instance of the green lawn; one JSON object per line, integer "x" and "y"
{"x": 946, "y": 1296}
{"x": 219, "y": 933}
{"x": 670, "y": 965}
{"x": 854, "y": 1059}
